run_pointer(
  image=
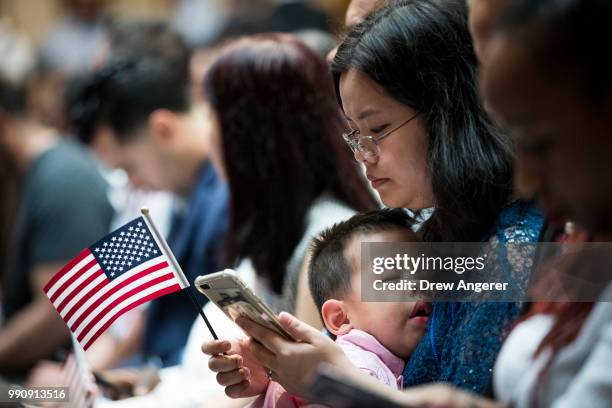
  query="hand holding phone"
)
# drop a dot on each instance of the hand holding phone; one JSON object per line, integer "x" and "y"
{"x": 235, "y": 299}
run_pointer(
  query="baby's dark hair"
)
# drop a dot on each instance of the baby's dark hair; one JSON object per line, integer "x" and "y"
{"x": 329, "y": 273}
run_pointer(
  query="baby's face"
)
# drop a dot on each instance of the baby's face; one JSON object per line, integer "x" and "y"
{"x": 399, "y": 326}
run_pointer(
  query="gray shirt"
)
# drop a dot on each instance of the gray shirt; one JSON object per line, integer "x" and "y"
{"x": 63, "y": 208}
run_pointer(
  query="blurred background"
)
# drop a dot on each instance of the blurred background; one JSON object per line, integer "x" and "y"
{"x": 47, "y": 42}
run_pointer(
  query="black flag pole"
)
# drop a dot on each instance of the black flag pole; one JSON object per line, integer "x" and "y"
{"x": 201, "y": 311}
{"x": 177, "y": 269}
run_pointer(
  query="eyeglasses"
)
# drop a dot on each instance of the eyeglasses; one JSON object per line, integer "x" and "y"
{"x": 365, "y": 147}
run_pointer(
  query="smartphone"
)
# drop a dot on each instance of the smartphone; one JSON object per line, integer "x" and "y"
{"x": 331, "y": 388}
{"x": 231, "y": 294}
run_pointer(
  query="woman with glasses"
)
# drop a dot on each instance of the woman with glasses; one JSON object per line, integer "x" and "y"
{"x": 406, "y": 82}
{"x": 406, "y": 78}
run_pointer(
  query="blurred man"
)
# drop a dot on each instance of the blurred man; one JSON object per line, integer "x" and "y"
{"x": 138, "y": 113}
{"x": 63, "y": 208}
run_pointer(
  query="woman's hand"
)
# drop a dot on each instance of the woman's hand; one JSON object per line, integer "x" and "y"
{"x": 443, "y": 396}
{"x": 292, "y": 364}
{"x": 237, "y": 370}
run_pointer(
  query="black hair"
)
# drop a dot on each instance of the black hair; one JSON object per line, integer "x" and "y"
{"x": 421, "y": 54}
{"x": 567, "y": 36}
{"x": 280, "y": 128}
{"x": 12, "y": 97}
{"x": 123, "y": 94}
{"x": 329, "y": 274}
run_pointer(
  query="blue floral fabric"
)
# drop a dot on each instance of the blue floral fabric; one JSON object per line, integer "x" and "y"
{"x": 464, "y": 338}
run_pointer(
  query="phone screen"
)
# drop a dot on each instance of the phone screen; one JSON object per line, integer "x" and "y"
{"x": 235, "y": 303}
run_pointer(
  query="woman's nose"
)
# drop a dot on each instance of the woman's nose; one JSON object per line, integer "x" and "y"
{"x": 365, "y": 158}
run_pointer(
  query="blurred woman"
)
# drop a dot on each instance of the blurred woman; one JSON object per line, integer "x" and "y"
{"x": 274, "y": 139}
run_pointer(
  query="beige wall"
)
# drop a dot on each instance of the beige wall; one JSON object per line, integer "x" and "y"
{"x": 34, "y": 17}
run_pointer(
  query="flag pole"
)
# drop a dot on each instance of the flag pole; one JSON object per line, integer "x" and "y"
{"x": 177, "y": 268}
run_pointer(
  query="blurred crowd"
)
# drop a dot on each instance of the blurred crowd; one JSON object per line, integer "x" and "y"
{"x": 268, "y": 136}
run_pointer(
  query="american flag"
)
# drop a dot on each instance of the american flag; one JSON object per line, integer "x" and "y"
{"x": 82, "y": 388}
{"x": 121, "y": 271}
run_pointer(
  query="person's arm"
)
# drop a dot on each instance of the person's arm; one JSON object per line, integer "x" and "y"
{"x": 21, "y": 342}
{"x": 293, "y": 364}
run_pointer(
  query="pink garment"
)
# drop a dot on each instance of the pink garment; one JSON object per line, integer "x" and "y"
{"x": 364, "y": 351}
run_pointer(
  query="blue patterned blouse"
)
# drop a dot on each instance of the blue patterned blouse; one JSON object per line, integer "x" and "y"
{"x": 464, "y": 338}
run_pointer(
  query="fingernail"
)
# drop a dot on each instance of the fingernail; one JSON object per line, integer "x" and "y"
{"x": 226, "y": 344}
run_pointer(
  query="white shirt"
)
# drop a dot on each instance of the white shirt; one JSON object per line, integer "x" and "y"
{"x": 580, "y": 375}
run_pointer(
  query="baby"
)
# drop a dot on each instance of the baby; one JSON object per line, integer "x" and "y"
{"x": 377, "y": 337}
